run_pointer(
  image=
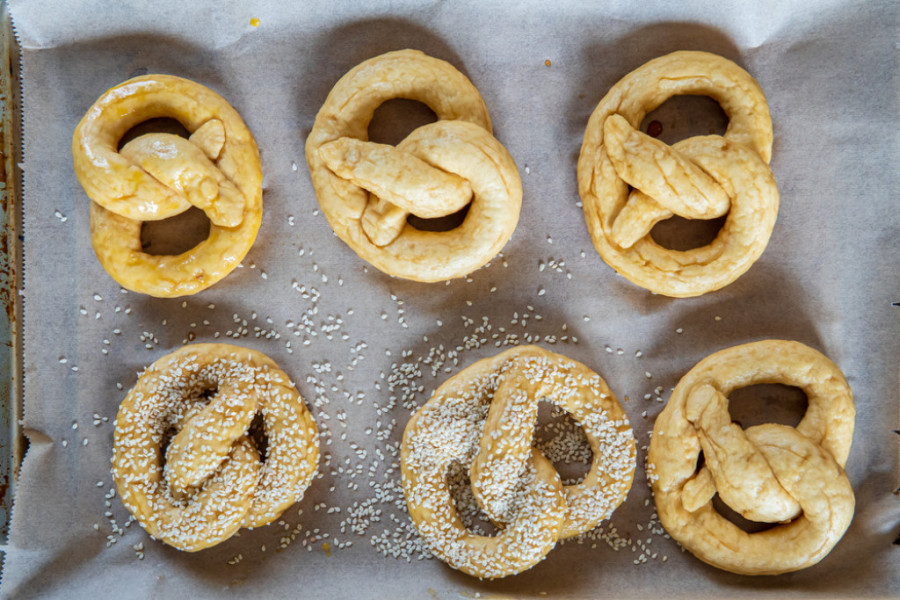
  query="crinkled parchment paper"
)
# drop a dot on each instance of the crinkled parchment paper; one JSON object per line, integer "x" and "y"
{"x": 828, "y": 278}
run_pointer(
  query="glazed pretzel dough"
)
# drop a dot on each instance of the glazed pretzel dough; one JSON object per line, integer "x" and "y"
{"x": 701, "y": 177}
{"x": 769, "y": 473}
{"x": 367, "y": 190}
{"x": 484, "y": 417}
{"x": 160, "y": 175}
{"x": 213, "y": 482}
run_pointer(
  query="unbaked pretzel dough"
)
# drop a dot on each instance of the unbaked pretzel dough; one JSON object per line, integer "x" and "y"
{"x": 160, "y": 175}
{"x": 769, "y": 473}
{"x": 213, "y": 481}
{"x": 698, "y": 178}
{"x": 484, "y": 418}
{"x": 367, "y": 190}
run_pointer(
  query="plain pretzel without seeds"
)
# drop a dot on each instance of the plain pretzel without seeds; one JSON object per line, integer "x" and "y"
{"x": 769, "y": 473}
{"x": 202, "y": 399}
{"x": 160, "y": 175}
{"x": 484, "y": 417}
{"x": 701, "y": 177}
{"x": 367, "y": 190}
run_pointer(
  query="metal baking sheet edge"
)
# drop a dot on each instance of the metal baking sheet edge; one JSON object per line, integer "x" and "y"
{"x": 12, "y": 443}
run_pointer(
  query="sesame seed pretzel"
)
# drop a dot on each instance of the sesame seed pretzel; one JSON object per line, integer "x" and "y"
{"x": 701, "y": 177}
{"x": 484, "y": 417}
{"x": 768, "y": 473}
{"x": 367, "y": 190}
{"x": 213, "y": 481}
{"x": 160, "y": 175}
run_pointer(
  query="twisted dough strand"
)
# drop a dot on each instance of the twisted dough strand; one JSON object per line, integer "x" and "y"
{"x": 768, "y": 473}
{"x": 214, "y": 481}
{"x": 484, "y": 418}
{"x": 701, "y": 177}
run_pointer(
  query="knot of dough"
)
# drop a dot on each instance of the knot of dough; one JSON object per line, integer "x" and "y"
{"x": 158, "y": 175}
{"x": 483, "y": 418}
{"x": 213, "y": 481}
{"x": 701, "y": 177}
{"x": 367, "y": 190}
{"x": 767, "y": 473}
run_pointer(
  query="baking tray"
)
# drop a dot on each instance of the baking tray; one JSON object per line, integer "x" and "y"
{"x": 773, "y": 299}
{"x": 12, "y": 443}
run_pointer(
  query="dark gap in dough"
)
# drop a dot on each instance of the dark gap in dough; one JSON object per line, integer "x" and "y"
{"x": 397, "y": 118}
{"x": 562, "y": 441}
{"x": 257, "y": 433}
{"x": 160, "y": 125}
{"x": 167, "y": 438}
{"x": 445, "y": 223}
{"x": 686, "y": 116}
{"x": 767, "y": 403}
{"x": 175, "y": 235}
{"x": 467, "y": 507}
{"x": 701, "y": 461}
{"x": 680, "y": 234}
{"x": 743, "y": 524}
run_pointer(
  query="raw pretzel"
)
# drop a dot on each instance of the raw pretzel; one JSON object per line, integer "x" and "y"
{"x": 367, "y": 190}
{"x": 160, "y": 175}
{"x": 484, "y": 417}
{"x": 213, "y": 481}
{"x": 701, "y": 177}
{"x": 769, "y": 473}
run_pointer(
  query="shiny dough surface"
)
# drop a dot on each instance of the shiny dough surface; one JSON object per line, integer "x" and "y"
{"x": 158, "y": 175}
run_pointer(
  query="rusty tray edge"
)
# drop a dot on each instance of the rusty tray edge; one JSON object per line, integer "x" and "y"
{"x": 12, "y": 442}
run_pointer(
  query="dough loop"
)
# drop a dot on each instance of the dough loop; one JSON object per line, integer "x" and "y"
{"x": 768, "y": 473}
{"x": 702, "y": 177}
{"x": 367, "y": 190}
{"x": 202, "y": 400}
{"x": 483, "y": 418}
{"x": 159, "y": 175}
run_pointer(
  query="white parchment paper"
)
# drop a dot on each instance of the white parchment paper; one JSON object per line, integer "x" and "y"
{"x": 828, "y": 278}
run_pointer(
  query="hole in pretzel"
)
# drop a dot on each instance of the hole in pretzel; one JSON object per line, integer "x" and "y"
{"x": 467, "y": 507}
{"x": 680, "y": 234}
{"x": 767, "y": 403}
{"x": 169, "y": 433}
{"x": 257, "y": 433}
{"x": 701, "y": 460}
{"x": 397, "y": 118}
{"x": 743, "y": 524}
{"x": 445, "y": 223}
{"x": 175, "y": 235}
{"x": 682, "y": 117}
{"x": 160, "y": 125}
{"x": 562, "y": 441}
